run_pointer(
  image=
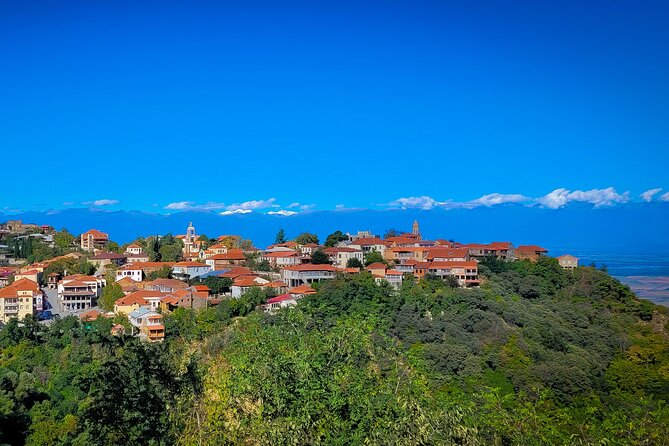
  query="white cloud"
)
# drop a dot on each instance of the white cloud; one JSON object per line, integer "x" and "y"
{"x": 293, "y": 205}
{"x": 179, "y": 205}
{"x": 648, "y": 195}
{"x": 422, "y": 202}
{"x": 282, "y": 212}
{"x": 598, "y": 197}
{"x": 236, "y": 211}
{"x": 664, "y": 196}
{"x": 101, "y": 202}
{"x": 253, "y": 205}
{"x": 68, "y": 203}
{"x": 494, "y": 199}
{"x": 340, "y": 207}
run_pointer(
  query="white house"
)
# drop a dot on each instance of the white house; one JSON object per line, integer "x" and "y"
{"x": 189, "y": 270}
{"x": 276, "y": 303}
{"x": 282, "y": 258}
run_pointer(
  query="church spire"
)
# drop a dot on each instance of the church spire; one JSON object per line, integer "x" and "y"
{"x": 415, "y": 229}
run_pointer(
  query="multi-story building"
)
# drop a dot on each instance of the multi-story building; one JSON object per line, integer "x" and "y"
{"x": 306, "y": 274}
{"x": 79, "y": 292}
{"x": 466, "y": 273}
{"x": 20, "y": 299}
{"x": 93, "y": 239}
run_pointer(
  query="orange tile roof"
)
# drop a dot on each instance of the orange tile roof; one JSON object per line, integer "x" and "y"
{"x": 138, "y": 297}
{"x": 302, "y": 289}
{"x": 190, "y": 264}
{"x": 376, "y": 265}
{"x": 233, "y": 254}
{"x": 281, "y": 254}
{"x": 366, "y": 241}
{"x": 20, "y": 285}
{"x": 246, "y": 281}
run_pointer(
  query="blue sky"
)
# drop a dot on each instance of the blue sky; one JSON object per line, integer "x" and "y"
{"x": 165, "y": 106}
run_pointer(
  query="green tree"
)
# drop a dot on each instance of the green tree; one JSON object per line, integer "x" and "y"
{"x": 164, "y": 272}
{"x": 392, "y": 233}
{"x": 354, "y": 263}
{"x": 306, "y": 238}
{"x": 110, "y": 294}
{"x": 319, "y": 258}
{"x": 373, "y": 257}
{"x": 334, "y": 238}
{"x": 280, "y": 236}
{"x": 64, "y": 240}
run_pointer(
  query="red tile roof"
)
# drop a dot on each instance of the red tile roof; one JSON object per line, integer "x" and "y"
{"x": 280, "y": 298}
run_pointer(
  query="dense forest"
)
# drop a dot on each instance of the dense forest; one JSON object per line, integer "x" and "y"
{"x": 536, "y": 355}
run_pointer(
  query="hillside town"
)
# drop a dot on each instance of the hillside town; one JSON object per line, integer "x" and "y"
{"x": 136, "y": 284}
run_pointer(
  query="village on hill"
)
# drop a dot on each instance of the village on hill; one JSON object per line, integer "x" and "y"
{"x": 47, "y": 273}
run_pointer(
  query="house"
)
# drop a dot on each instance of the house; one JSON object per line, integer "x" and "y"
{"x": 140, "y": 298}
{"x": 104, "y": 259}
{"x": 189, "y": 270}
{"x": 137, "y": 258}
{"x": 133, "y": 248}
{"x": 130, "y": 271}
{"x": 244, "y": 283}
{"x": 136, "y": 271}
{"x": 281, "y": 259}
{"x": 309, "y": 248}
{"x": 301, "y": 291}
{"x": 32, "y": 274}
{"x": 149, "y": 323}
{"x": 501, "y": 250}
{"x": 447, "y": 255}
{"x": 282, "y": 301}
{"x": 5, "y": 274}
{"x": 340, "y": 256}
{"x": 93, "y": 239}
{"x": 393, "y": 277}
{"x": 6, "y": 256}
{"x": 188, "y": 298}
{"x": 530, "y": 252}
{"x": 406, "y": 267}
{"x": 376, "y": 268}
{"x": 52, "y": 281}
{"x": 369, "y": 244}
{"x": 21, "y": 298}
{"x": 466, "y": 273}
{"x": 307, "y": 274}
{"x": 402, "y": 254}
{"x": 165, "y": 285}
{"x": 568, "y": 261}
{"x": 232, "y": 257}
{"x": 79, "y": 292}
{"x": 128, "y": 285}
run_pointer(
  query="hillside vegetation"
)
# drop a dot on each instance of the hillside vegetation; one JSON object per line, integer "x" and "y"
{"x": 537, "y": 355}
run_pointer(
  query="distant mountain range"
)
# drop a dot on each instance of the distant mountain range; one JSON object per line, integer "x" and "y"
{"x": 633, "y": 227}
